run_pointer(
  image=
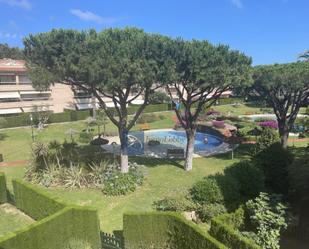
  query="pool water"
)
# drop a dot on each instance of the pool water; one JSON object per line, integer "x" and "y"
{"x": 169, "y": 139}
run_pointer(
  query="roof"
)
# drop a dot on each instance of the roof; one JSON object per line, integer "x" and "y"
{"x": 10, "y": 65}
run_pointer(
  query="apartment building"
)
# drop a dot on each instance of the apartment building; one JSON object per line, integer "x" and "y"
{"x": 18, "y": 96}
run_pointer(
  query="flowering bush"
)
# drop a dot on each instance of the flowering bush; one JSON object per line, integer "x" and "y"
{"x": 270, "y": 124}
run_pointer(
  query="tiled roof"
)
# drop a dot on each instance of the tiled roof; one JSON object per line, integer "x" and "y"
{"x": 10, "y": 65}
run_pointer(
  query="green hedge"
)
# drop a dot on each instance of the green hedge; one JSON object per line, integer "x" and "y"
{"x": 3, "y": 193}
{"x": 163, "y": 230}
{"x": 57, "y": 223}
{"x": 54, "y": 232}
{"x": 229, "y": 101}
{"x": 225, "y": 228}
{"x": 35, "y": 202}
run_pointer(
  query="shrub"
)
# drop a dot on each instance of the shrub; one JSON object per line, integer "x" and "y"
{"x": 226, "y": 228}
{"x": 269, "y": 218}
{"x": 249, "y": 177}
{"x": 177, "y": 203}
{"x": 117, "y": 183}
{"x": 299, "y": 178}
{"x": 274, "y": 162}
{"x": 165, "y": 230}
{"x": 207, "y": 191}
{"x": 267, "y": 138}
{"x": 159, "y": 98}
{"x": 3, "y": 193}
{"x": 270, "y": 124}
{"x": 85, "y": 137}
{"x": 208, "y": 211}
{"x": 217, "y": 189}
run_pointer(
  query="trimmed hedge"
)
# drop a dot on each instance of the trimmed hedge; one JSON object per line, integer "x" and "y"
{"x": 3, "y": 194}
{"x": 35, "y": 202}
{"x": 56, "y": 230}
{"x": 57, "y": 223}
{"x": 164, "y": 230}
{"x": 225, "y": 228}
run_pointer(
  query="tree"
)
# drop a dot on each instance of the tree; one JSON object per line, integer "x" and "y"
{"x": 202, "y": 72}
{"x": 304, "y": 55}
{"x": 117, "y": 65}
{"x": 285, "y": 87}
{"x": 10, "y": 52}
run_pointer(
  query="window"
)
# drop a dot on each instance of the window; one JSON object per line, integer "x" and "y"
{"x": 24, "y": 79}
{"x": 7, "y": 79}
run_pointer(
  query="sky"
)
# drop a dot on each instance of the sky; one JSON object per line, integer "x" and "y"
{"x": 270, "y": 31}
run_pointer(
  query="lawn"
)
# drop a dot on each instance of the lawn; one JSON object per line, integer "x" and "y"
{"x": 163, "y": 178}
{"x": 12, "y": 219}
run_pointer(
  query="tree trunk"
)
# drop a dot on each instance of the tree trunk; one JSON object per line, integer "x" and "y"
{"x": 124, "y": 161}
{"x": 284, "y": 133}
{"x": 190, "y": 149}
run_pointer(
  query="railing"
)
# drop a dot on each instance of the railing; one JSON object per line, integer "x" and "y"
{"x": 110, "y": 241}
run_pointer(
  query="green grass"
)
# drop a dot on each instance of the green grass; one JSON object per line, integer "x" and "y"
{"x": 11, "y": 219}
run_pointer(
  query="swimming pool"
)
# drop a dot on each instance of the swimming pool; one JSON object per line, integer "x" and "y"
{"x": 139, "y": 142}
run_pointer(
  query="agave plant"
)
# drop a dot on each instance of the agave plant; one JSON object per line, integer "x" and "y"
{"x": 75, "y": 177}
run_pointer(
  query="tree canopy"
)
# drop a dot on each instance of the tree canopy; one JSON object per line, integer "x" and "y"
{"x": 10, "y": 52}
{"x": 201, "y": 73}
{"x": 285, "y": 87}
{"x": 117, "y": 65}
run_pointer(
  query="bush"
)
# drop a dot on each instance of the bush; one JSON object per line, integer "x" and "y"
{"x": 274, "y": 162}
{"x": 217, "y": 189}
{"x": 269, "y": 218}
{"x": 159, "y": 98}
{"x": 268, "y": 137}
{"x": 249, "y": 177}
{"x": 85, "y": 137}
{"x": 147, "y": 118}
{"x": 117, "y": 183}
{"x": 207, "y": 191}
{"x": 208, "y": 211}
{"x": 165, "y": 230}
{"x": 3, "y": 193}
{"x": 299, "y": 178}
{"x": 179, "y": 203}
{"x": 226, "y": 228}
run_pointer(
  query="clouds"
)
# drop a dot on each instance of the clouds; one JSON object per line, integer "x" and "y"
{"x": 23, "y": 4}
{"x": 237, "y": 3}
{"x": 92, "y": 17}
{"x": 9, "y": 35}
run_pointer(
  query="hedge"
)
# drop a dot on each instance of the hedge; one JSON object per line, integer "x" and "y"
{"x": 3, "y": 194}
{"x": 57, "y": 223}
{"x": 35, "y": 202}
{"x": 54, "y": 232}
{"x": 225, "y": 228}
{"x": 162, "y": 230}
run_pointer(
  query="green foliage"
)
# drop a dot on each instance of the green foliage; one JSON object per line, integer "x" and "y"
{"x": 3, "y": 193}
{"x": 249, "y": 177}
{"x": 165, "y": 230}
{"x": 117, "y": 183}
{"x": 57, "y": 222}
{"x": 269, "y": 218}
{"x": 267, "y": 137}
{"x": 225, "y": 228}
{"x": 34, "y": 202}
{"x": 299, "y": 178}
{"x": 217, "y": 189}
{"x": 159, "y": 98}
{"x": 85, "y": 137}
{"x": 284, "y": 87}
{"x": 207, "y": 191}
{"x": 274, "y": 162}
{"x": 78, "y": 244}
{"x": 179, "y": 203}
{"x": 208, "y": 211}
{"x": 148, "y": 118}
{"x": 8, "y": 52}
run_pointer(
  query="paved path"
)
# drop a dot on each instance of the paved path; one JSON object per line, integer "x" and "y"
{"x": 14, "y": 163}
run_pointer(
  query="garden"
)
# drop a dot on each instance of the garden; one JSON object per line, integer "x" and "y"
{"x": 252, "y": 194}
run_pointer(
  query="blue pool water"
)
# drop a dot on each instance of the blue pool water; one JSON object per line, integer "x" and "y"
{"x": 168, "y": 139}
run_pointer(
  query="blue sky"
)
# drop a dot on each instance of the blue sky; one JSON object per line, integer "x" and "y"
{"x": 270, "y": 31}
